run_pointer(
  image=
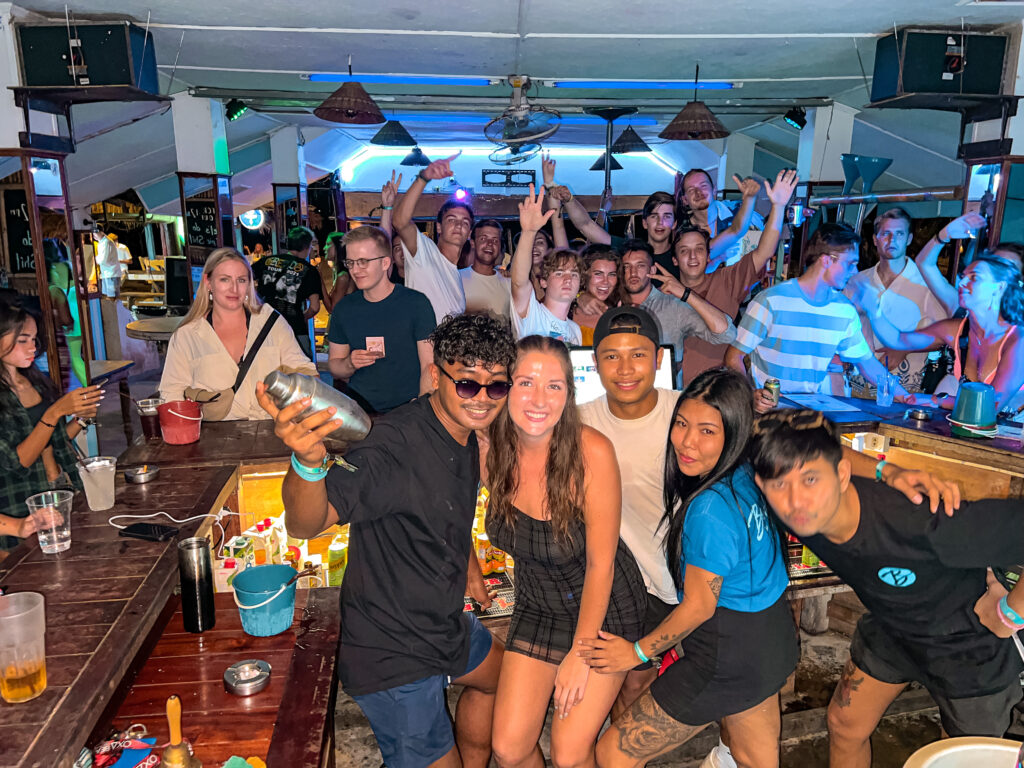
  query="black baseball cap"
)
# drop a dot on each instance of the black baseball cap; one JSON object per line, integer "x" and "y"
{"x": 627, "y": 320}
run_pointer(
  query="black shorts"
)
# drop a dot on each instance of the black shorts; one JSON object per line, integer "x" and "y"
{"x": 655, "y": 613}
{"x": 731, "y": 662}
{"x": 881, "y": 656}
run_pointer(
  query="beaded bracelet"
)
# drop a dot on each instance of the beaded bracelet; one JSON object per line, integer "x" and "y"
{"x": 309, "y": 474}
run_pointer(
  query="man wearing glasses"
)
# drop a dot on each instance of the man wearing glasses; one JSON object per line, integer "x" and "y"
{"x": 410, "y": 506}
{"x": 380, "y": 334}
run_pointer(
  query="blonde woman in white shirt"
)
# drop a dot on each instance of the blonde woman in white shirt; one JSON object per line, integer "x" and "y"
{"x": 214, "y": 337}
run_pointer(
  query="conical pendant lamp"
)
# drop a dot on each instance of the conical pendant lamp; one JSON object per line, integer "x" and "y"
{"x": 629, "y": 141}
{"x": 393, "y": 134}
{"x": 695, "y": 121}
{"x": 599, "y": 165}
{"x": 350, "y": 104}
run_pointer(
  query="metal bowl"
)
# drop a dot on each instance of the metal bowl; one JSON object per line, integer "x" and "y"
{"x": 245, "y": 678}
{"x": 918, "y": 414}
{"x": 136, "y": 474}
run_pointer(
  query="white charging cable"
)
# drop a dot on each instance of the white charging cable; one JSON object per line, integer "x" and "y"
{"x": 223, "y": 513}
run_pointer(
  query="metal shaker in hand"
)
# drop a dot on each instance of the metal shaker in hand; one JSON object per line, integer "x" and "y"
{"x": 287, "y": 388}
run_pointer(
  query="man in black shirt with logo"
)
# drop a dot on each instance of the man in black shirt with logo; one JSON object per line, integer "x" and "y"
{"x": 288, "y": 283}
{"x": 410, "y": 506}
{"x": 935, "y": 614}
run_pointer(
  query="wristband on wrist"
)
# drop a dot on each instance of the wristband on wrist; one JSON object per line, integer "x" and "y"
{"x": 47, "y": 424}
{"x": 639, "y": 653}
{"x": 1010, "y": 616}
{"x": 685, "y": 296}
{"x": 422, "y": 178}
{"x": 387, "y": 207}
{"x": 310, "y": 474}
{"x": 878, "y": 470}
{"x": 938, "y": 236}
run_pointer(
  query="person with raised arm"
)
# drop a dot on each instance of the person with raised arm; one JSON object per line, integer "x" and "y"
{"x": 987, "y": 343}
{"x": 432, "y": 268}
{"x": 724, "y": 222}
{"x": 559, "y": 277}
{"x": 928, "y": 259}
{"x": 727, "y": 287}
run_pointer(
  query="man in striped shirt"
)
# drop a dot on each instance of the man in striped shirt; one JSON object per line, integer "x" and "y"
{"x": 793, "y": 330}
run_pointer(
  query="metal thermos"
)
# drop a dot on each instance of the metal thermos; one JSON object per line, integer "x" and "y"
{"x": 196, "y": 571}
{"x": 286, "y": 388}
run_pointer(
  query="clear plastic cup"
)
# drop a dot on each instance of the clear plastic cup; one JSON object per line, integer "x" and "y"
{"x": 52, "y": 512}
{"x": 885, "y": 389}
{"x": 22, "y": 646}
{"x": 97, "y": 475}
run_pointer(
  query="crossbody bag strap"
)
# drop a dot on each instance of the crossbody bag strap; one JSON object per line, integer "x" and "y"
{"x": 246, "y": 364}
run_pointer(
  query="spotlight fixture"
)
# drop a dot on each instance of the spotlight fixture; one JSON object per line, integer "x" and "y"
{"x": 416, "y": 157}
{"x": 234, "y": 109}
{"x": 393, "y": 134}
{"x": 797, "y": 117}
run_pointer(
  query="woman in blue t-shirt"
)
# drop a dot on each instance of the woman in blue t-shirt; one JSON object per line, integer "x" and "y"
{"x": 733, "y": 621}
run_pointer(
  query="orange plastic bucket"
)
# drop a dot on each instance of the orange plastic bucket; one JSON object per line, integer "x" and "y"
{"x": 180, "y": 421}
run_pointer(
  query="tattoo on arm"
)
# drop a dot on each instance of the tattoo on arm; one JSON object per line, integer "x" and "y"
{"x": 716, "y": 586}
{"x": 848, "y": 683}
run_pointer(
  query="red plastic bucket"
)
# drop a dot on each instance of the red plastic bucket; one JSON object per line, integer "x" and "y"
{"x": 179, "y": 421}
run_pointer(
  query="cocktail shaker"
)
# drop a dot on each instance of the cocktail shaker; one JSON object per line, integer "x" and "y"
{"x": 286, "y": 388}
{"x": 196, "y": 571}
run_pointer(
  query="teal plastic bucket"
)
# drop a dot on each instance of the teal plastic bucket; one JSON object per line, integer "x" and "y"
{"x": 266, "y": 605}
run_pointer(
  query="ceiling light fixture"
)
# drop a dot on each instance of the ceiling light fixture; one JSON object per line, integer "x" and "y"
{"x": 415, "y": 158}
{"x": 645, "y": 85}
{"x": 393, "y": 134}
{"x": 695, "y": 121}
{"x": 337, "y": 77}
{"x": 629, "y": 141}
{"x": 234, "y": 109}
{"x": 600, "y": 164}
{"x": 350, "y": 104}
{"x": 797, "y": 117}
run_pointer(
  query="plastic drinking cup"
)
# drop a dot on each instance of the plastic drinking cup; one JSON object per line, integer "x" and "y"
{"x": 52, "y": 512}
{"x": 22, "y": 646}
{"x": 885, "y": 390}
{"x": 149, "y": 417}
{"x": 97, "y": 475}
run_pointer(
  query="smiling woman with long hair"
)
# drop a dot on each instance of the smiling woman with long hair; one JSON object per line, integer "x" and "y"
{"x": 733, "y": 619}
{"x": 205, "y": 353}
{"x": 35, "y": 453}
{"x": 554, "y": 506}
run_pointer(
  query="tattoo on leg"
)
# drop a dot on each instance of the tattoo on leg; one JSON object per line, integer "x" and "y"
{"x": 716, "y": 586}
{"x": 646, "y": 729}
{"x": 848, "y": 683}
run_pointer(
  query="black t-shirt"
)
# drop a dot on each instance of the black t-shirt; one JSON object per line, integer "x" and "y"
{"x": 399, "y": 321}
{"x": 410, "y": 504}
{"x": 920, "y": 575}
{"x": 286, "y": 283}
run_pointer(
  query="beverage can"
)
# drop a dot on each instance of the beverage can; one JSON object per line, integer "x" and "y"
{"x": 774, "y": 387}
{"x": 483, "y": 547}
{"x": 497, "y": 558}
{"x": 337, "y": 561}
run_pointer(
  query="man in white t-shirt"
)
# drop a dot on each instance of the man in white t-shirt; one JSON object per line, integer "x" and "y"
{"x": 559, "y": 277}
{"x": 432, "y": 268}
{"x": 487, "y": 290}
{"x": 636, "y": 417}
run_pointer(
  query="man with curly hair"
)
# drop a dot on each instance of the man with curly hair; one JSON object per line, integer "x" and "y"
{"x": 409, "y": 505}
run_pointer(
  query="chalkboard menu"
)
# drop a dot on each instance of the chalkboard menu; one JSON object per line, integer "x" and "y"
{"x": 201, "y": 223}
{"x": 18, "y": 231}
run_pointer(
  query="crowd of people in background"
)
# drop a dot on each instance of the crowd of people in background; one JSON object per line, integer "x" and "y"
{"x": 650, "y": 576}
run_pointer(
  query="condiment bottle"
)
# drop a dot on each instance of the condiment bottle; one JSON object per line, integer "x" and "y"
{"x": 287, "y": 388}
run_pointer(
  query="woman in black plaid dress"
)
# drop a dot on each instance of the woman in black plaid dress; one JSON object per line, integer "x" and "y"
{"x": 554, "y": 506}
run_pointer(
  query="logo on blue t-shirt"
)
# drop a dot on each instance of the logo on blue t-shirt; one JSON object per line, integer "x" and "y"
{"x": 897, "y": 577}
{"x": 757, "y": 521}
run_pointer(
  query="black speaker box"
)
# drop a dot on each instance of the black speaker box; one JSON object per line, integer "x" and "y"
{"x": 176, "y": 282}
{"x": 103, "y": 54}
{"x": 914, "y": 61}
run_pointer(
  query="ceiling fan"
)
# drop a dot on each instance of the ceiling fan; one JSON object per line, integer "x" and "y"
{"x": 513, "y": 154}
{"x": 522, "y": 122}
